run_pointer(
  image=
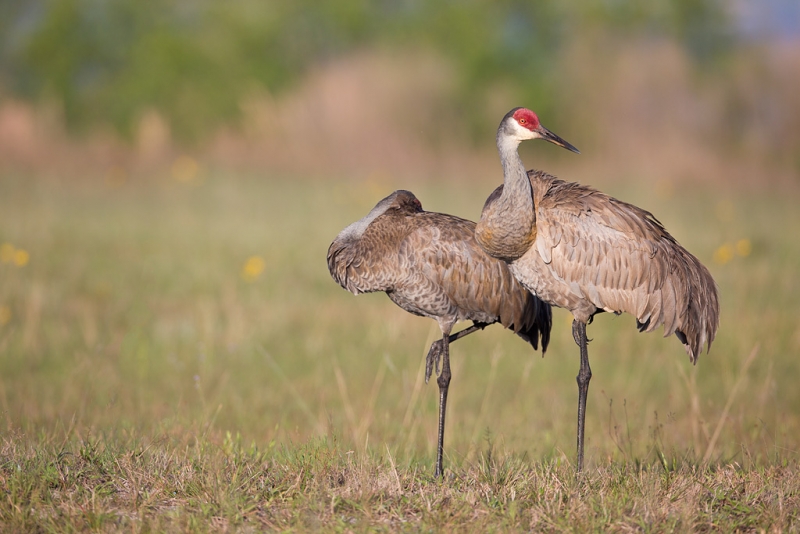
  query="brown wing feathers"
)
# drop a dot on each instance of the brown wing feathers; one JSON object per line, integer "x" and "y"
{"x": 622, "y": 259}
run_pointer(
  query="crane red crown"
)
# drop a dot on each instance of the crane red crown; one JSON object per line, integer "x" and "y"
{"x": 526, "y": 118}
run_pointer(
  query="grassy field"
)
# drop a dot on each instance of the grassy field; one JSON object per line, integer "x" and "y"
{"x": 174, "y": 356}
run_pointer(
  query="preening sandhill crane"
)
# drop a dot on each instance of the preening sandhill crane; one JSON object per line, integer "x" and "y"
{"x": 579, "y": 249}
{"x": 430, "y": 265}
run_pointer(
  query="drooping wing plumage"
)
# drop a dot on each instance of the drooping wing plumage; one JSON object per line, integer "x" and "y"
{"x": 368, "y": 262}
{"x": 602, "y": 253}
{"x": 350, "y": 269}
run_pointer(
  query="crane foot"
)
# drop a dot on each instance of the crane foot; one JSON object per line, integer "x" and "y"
{"x": 433, "y": 358}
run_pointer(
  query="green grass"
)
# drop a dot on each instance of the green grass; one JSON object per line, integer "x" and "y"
{"x": 146, "y": 385}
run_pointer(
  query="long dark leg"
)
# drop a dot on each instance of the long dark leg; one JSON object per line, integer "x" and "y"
{"x": 584, "y": 375}
{"x": 444, "y": 383}
{"x": 435, "y": 352}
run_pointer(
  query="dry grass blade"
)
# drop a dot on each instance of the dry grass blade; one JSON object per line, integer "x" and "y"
{"x": 369, "y": 414}
{"x": 348, "y": 406}
{"x": 411, "y": 419}
{"x": 479, "y": 421}
{"x": 418, "y": 382}
{"x": 696, "y": 418}
{"x": 394, "y": 470}
{"x": 293, "y": 391}
{"x": 724, "y": 415}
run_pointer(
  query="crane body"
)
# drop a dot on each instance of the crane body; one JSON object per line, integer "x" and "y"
{"x": 579, "y": 249}
{"x": 430, "y": 265}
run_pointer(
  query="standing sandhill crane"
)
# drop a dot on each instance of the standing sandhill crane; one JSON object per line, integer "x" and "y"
{"x": 430, "y": 265}
{"x": 577, "y": 248}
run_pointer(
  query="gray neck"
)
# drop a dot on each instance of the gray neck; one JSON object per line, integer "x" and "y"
{"x": 516, "y": 197}
{"x": 506, "y": 228}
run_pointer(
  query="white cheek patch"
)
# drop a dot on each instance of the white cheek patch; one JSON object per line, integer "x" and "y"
{"x": 523, "y": 133}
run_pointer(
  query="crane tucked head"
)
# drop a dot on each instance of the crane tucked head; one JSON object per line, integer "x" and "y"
{"x": 520, "y": 124}
{"x": 405, "y": 201}
{"x": 402, "y": 201}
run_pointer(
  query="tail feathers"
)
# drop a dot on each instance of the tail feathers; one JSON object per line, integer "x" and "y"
{"x": 699, "y": 322}
{"x": 683, "y": 298}
{"x": 538, "y": 323}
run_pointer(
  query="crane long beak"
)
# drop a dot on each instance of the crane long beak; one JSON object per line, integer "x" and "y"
{"x": 547, "y": 135}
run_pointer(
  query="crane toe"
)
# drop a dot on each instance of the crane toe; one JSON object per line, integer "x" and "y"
{"x": 433, "y": 358}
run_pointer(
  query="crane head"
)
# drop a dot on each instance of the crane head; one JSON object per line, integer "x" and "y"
{"x": 522, "y": 123}
{"x": 405, "y": 201}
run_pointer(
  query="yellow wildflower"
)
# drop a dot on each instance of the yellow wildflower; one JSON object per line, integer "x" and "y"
{"x": 723, "y": 254}
{"x": 21, "y": 257}
{"x": 253, "y": 268}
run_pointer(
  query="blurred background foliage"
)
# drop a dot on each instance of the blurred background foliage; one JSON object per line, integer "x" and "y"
{"x": 194, "y": 62}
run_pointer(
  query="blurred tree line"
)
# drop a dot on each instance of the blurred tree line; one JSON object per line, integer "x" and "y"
{"x": 107, "y": 61}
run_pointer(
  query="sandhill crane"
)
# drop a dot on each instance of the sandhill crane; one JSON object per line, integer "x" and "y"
{"x": 579, "y": 249}
{"x": 430, "y": 265}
